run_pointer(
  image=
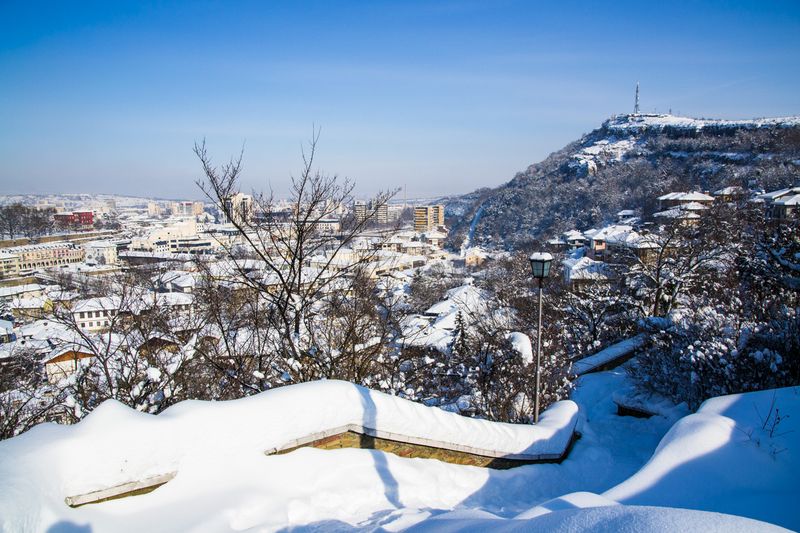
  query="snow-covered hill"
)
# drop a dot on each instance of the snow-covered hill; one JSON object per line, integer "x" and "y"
{"x": 626, "y": 164}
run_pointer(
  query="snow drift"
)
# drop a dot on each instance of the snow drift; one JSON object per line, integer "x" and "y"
{"x": 115, "y": 444}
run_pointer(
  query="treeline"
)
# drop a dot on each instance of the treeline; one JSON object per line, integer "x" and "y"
{"x": 19, "y": 220}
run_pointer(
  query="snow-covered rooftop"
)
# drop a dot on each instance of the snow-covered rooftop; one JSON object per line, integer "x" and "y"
{"x": 687, "y": 197}
{"x": 584, "y": 269}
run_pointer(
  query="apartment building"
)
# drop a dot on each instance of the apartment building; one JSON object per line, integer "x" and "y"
{"x": 360, "y": 211}
{"x": 382, "y": 214}
{"x": 9, "y": 264}
{"x": 52, "y": 254}
{"x": 75, "y": 218}
{"x": 428, "y": 217}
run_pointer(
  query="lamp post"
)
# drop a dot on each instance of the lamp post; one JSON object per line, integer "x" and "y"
{"x": 540, "y": 265}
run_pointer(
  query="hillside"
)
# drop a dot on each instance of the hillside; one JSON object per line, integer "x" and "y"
{"x": 626, "y": 164}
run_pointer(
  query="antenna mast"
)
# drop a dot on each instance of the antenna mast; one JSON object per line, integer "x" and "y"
{"x": 636, "y": 105}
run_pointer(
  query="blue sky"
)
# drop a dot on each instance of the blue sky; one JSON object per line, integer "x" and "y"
{"x": 442, "y": 97}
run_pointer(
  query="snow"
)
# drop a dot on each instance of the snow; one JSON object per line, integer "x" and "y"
{"x": 522, "y": 344}
{"x": 605, "y": 519}
{"x": 727, "y": 445}
{"x": 467, "y": 298}
{"x": 603, "y": 357}
{"x": 115, "y": 444}
{"x": 438, "y": 329}
{"x": 602, "y": 151}
{"x": 632, "y": 124}
{"x": 541, "y": 256}
{"x": 649, "y": 402}
{"x": 225, "y": 482}
{"x": 686, "y": 197}
{"x": 584, "y": 268}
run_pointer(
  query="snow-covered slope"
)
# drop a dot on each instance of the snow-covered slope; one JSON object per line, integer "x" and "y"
{"x": 736, "y": 456}
{"x": 730, "y": 457}
{"x": 606, "y": 519}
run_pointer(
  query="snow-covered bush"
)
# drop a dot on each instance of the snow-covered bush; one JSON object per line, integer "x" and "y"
{"x": 734, "y": 325}
{"x": 694, "y": 355}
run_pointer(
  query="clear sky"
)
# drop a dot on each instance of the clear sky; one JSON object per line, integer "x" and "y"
{"x": 441, "y": 96}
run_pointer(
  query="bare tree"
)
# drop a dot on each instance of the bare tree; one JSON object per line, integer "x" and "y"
{"x": 282, "y": 244}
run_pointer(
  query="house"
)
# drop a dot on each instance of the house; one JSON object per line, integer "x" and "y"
{"x": 781, "y": 204}
{"x": 687, "y": 214}
{"x": 101, "y": 252}
{"x": 435, "y": 238}
{"x": 626, "y": 216}
{"x": 96, "y": 314}
{"x": 176, "y": 281}
{"x": 475, "y": 256}
{"x": 28, "y": 290}
{"x": 63, "y": 361}
{"x": 598, "y": 239}
{"x": 585, "y": 271}
{"x": 730, "y": 194}
{"x": 677, "y": 199}
{"x": 574, "y": 239}
{"x": 7, "y": 331}
{"x": 156, "y": 343}
{"x": 31, "y": 308}
{"x": 619, "y": 240}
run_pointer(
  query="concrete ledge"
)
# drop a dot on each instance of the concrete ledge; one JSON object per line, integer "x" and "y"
{"x": 427, "y": 447}
{"x": 610, "y": 357}
{"x": 132, "y": 488}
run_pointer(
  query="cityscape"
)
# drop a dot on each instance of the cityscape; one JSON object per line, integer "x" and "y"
{"x": 418, "y": 266}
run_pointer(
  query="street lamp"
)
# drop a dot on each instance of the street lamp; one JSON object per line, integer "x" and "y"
{"x": 540, "y": 265}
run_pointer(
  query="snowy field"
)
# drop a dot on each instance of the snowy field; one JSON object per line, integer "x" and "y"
{"x": 729, "y": 457}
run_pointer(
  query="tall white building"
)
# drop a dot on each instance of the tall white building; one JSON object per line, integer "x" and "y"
{"x": 238, "y": 208}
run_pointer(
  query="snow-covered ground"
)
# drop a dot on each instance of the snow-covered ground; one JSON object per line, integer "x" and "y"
{"x": 712, "y": 462}
{"x": 623, "y": 124}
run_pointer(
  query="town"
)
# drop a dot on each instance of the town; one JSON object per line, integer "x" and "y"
{"x": 399, "y": 266}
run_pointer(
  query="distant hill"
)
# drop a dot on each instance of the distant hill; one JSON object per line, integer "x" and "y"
{"x": 626, "y": 164}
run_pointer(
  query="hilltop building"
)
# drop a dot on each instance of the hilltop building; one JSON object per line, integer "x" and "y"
{"x": 782, "y": 203}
